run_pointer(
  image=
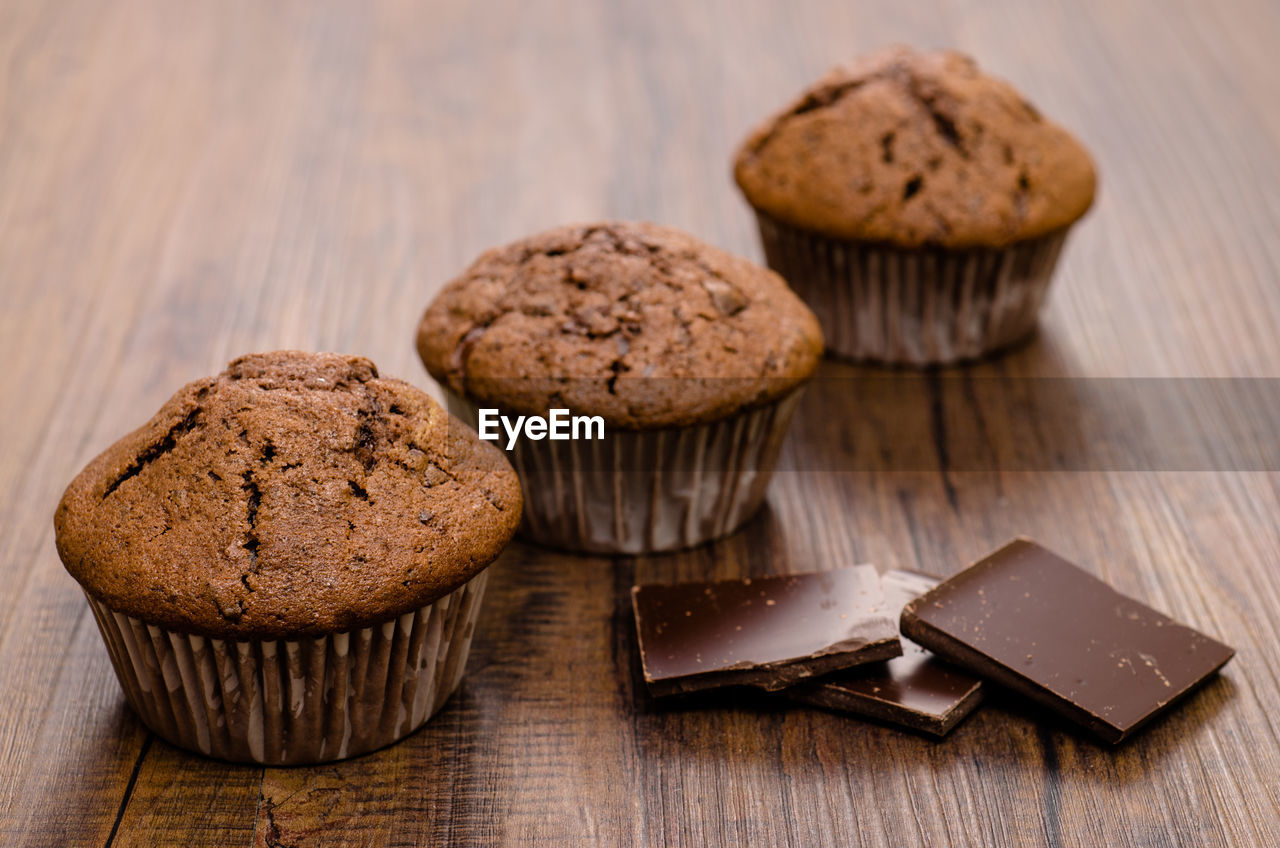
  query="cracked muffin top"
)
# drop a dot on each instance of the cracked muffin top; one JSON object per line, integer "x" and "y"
{"x": 916, "y": 149}
{"x": 294, "y": 494}
{"x": 640, "y": 324}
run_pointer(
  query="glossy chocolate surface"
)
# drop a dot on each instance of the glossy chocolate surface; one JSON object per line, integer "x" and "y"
{"x": 916, "y": 690}
{"x": 768, "y": 632}
{"x": 1032, "y": 621}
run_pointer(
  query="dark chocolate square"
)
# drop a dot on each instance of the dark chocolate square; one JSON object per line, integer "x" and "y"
{"x": 1030, "y": 620}
{"x": 767, "y": 632}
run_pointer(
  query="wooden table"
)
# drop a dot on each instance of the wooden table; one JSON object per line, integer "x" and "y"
{"x": 184, "y": 182}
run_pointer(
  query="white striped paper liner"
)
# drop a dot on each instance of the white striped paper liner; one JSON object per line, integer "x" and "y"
{"x": 914, "y": 306}
{"x": 646, "y": 491}
{"x": 294, "y": 701}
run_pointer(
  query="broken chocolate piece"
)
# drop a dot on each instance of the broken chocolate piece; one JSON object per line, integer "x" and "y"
{"x": 768, "y": 632}
{"x": 1029, "y": 620}
{"x": 916, "y": 690}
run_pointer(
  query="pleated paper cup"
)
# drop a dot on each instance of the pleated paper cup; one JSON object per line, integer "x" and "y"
{"x": 914, "y": 306}
{"x": 646, "y": 491}
{"x": 294, "y": 701}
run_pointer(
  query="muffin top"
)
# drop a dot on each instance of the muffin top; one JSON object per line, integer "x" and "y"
{"x": 916, "y": 149}
{"x": 640, "y": 324}
{"x": 294, "y": 494}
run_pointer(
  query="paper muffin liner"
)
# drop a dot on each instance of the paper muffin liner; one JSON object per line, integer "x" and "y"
{"x": 294, "y": 701}
{"x": 914, "y": 306}
{"x": 646, "y": 491}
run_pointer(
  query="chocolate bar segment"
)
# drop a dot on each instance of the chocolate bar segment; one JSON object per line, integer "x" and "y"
{"x": 1033, "y": 622}
{"x": 916, "y": 690}
{"x": 768, "y": 632}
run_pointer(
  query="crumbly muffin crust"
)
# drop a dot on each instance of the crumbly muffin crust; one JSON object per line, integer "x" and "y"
{"x": 641, "y": 324}
{"x": 293, "y": 494}
{"x": 914, "y": 148}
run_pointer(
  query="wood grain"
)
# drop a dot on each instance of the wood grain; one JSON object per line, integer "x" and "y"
{"x": 182, "y": 183}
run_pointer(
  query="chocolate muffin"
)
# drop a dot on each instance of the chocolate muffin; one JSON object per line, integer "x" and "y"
{"x": 917, "y": 204}
{"x": 287, "y": 560}
{"x": 693, "y": 358}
